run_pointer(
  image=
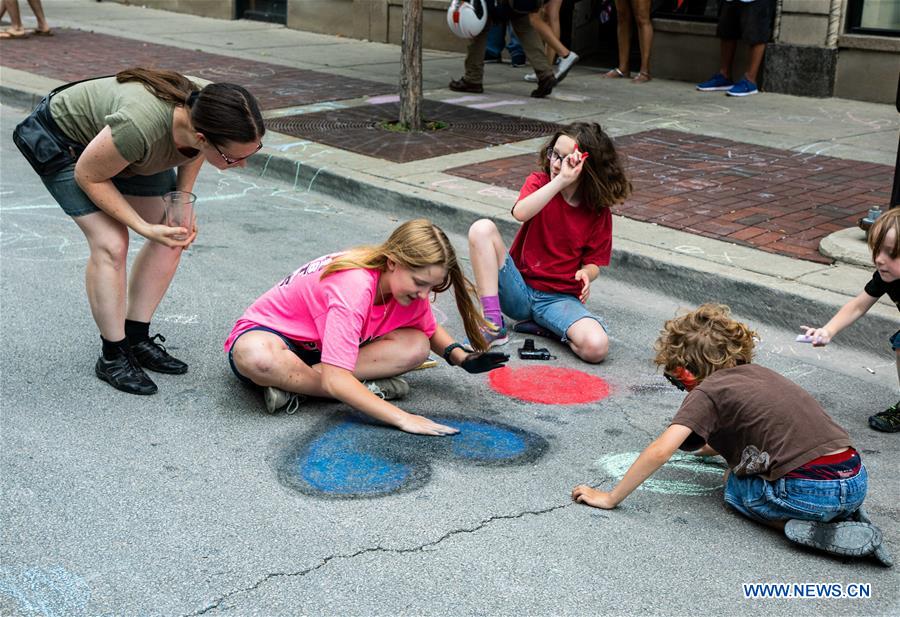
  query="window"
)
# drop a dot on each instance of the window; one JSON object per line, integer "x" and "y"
{"x": 881, "y": 17}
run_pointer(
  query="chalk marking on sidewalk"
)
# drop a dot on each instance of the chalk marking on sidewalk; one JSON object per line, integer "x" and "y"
{"x": 617, "y": 464}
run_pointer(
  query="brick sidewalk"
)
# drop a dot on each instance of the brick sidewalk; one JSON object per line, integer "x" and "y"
{"x": 74, "y": 54}
{"x": 778, "y": 201}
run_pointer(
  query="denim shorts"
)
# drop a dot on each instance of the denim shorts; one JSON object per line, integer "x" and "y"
{"x": 796, "y": 498}
{"x": 75, "y": 202}
{"x": 895, "y": 341}
{"x": 308, "y": 356}
{"x": 554, "y": 311}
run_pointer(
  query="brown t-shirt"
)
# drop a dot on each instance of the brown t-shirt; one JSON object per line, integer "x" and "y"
{"x": 761, "y": 422}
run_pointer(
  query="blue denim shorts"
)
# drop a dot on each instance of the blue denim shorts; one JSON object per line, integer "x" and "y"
{"x": 308, "y": 356}
{"x": 895, "y": 341}
{"x": 75, "y": 202}
{"x": 554, "y": 311}
{"x": 796, "y": 498}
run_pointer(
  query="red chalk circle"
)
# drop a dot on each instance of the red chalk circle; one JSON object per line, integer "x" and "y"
{"x": 548, "y": 385}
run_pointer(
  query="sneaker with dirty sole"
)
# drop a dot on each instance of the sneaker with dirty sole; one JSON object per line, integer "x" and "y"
{"x": 847, "y": 538}
{"x": 281, "y": 400}
{"x": 881, "y": 553}
{"x": 388, "y": 388}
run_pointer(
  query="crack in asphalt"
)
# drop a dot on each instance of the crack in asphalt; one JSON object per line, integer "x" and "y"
{"x": 377, "y": 549}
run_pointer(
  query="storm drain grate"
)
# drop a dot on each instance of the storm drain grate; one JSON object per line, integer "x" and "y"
{"x": 359, "y": 130}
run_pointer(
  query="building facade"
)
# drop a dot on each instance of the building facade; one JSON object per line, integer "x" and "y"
{"x": 819, "y": 48}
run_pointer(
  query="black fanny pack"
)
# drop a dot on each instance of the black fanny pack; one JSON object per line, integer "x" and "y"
{"x": 42, "y": 142}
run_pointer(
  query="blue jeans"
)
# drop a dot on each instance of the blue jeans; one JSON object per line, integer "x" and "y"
{"x": 554, "y": 311}
{"x": 796, "y": 498}
{"x": 895, "y": 341}
{"x": 497, "y": 40}
{"x": 75, "y": 202}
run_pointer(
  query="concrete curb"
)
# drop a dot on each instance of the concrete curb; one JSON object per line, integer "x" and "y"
{"x": 772, "y": 300}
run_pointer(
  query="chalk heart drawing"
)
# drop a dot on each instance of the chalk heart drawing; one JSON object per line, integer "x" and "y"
{"x": 548, "y": 384}
{"x": 357, "y": 458}
{"x": 704, "y": 475}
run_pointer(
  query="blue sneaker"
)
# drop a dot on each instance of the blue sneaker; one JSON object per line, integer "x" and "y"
{"x": 715, "y": 83}
{"x": 744, "y": 87}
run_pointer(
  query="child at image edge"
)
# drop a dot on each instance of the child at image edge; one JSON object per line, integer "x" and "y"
{"x": 791, "y": 466}
{"x": 884, "y": 242}
{"x": 565, "y": 238}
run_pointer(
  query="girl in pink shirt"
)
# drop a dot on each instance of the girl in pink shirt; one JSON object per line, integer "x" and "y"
{"x": 344, "y": 325}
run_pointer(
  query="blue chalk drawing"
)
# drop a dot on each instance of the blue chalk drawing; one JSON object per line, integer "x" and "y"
{"x": 45, "y": 591}
{"x": 358, "y": 458}
{"x": 329, "y": 469}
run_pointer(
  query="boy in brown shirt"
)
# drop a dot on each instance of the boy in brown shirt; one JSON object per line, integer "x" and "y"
{"x": 791, "y": 466}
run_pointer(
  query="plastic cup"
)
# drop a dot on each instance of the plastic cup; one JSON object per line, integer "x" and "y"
{"x": 180, "y": 210}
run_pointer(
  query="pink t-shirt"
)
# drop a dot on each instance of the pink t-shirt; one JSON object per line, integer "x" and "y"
{"x": 337, "y": 314}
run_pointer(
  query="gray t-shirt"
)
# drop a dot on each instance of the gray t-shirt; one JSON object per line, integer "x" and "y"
{"x": 761, "y": 422}
{"x": 141, "y": 124}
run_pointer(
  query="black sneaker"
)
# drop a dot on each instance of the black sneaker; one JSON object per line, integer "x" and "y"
{"x": 123, "y": 373}
{"x": 887, "y": 421}
{"x": 545, "y": 87}
{"x": 154, "y": 356}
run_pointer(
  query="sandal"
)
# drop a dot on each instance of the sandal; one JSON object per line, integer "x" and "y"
{"x": 12, "y": 34}
{"x": 614, "y": 74}
{"x": 641, "y": 78}
{"x": 47, "y": 32}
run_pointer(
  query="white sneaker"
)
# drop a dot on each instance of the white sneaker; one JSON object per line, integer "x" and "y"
{"x": 564, "y": 65}
{"x": 389, "y": 388}
{"x": 531, "y": 78}
{"x": 279, "y": 400}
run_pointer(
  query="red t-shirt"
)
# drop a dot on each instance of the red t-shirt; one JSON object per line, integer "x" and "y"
{"x": 558, "y": 241}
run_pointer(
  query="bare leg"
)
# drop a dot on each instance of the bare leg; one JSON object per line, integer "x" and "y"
{"x": 551, "y": 13}
{"x": 15, "y": 17}
{"x": 393, "y": 354}
{"x": 265, "y": 359}
{"x": 105, "y": 272}
{"x": 645, "y": 33}
{"x": 588, "y": 340}
{"x": 487, "y": 252}
{"x": 543, "y": 29}
{"x": 756, "y": 56}
{"x": 38, "y": 11}
{"x": 153, "y": 268}
{"x": 727, "y": 49}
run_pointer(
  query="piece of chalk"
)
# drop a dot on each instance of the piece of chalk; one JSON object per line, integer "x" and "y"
{"x": 802, "y": 338}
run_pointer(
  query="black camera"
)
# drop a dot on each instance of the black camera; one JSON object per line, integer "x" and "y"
{"x": 528, "y": 352}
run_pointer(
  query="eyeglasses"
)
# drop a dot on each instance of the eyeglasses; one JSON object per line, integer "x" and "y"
{"x": 553, "y": 156}
{"x": 675, "y": 382}
{"x": 232, "y": 161}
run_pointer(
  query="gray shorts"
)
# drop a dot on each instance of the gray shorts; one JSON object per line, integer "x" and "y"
{"x": 75, "y": 202}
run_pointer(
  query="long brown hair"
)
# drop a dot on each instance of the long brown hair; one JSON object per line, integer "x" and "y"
{"x": 602, "y": 182}
{"x": 418, "y": 244}
{"x": 222, "y": 112}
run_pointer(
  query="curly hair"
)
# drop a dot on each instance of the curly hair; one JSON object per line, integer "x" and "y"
{"x": 878, "y": 234}
{"x": 603, "y": 180}
{"x": 703, "y": 341}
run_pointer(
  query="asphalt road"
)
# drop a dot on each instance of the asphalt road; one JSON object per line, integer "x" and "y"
{"x": 192, "y": 501}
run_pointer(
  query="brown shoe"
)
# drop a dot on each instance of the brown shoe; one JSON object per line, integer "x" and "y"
{"x": 545, "y": 87}
{"x": 461, "y": 85}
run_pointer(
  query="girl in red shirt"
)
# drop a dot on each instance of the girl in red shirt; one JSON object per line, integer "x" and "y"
{"x": 565, "y": 239}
